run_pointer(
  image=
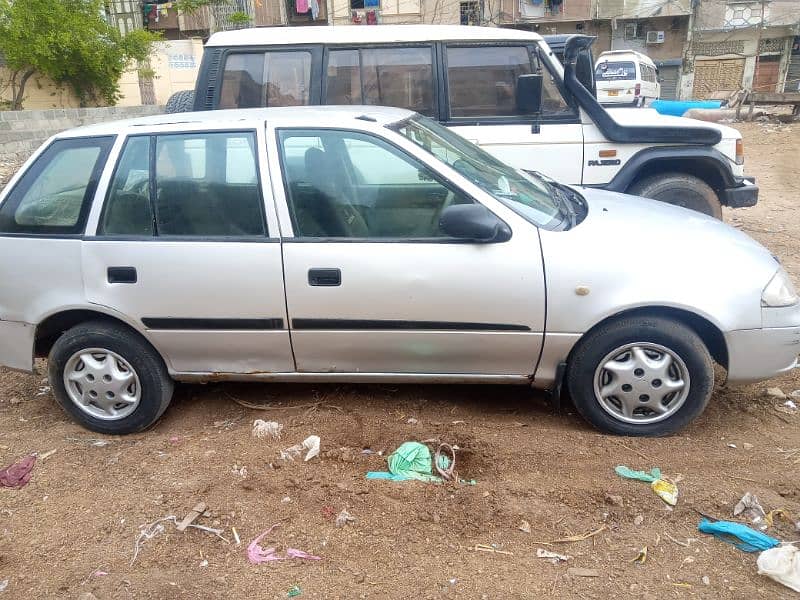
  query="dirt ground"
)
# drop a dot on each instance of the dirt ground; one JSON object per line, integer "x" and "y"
{"x": 71, "y": 532}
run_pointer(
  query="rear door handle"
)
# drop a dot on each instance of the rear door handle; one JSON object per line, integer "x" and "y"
{"x": 324, "y": 277}
{"x": 122, "y": 275}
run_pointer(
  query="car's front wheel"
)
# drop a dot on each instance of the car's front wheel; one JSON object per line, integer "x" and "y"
{"x": 640, "y": 376}
{"x": 682, "y": 190}
{"x": 108, "y": 378}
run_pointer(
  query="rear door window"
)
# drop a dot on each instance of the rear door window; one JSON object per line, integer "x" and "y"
{"x": 204, "y": 185}
{"x": 55, "y": 194}
{"x": 615, "y": 71}
{"x": 276, "y": 78}
{"x": 400, "y": 76}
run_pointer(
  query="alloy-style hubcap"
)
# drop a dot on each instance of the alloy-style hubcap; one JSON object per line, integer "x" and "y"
{"x": 102, "y": 384}
{"x": 641, "y": 383}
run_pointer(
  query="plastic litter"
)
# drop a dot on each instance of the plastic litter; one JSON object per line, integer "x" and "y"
{"x": 751, "y": 510}
{"x": 781, "y": 564}
{"x": 412, "y": 460}
{"x": 663, "y": 487}
{"x": 294, "y": 591}
{"x": 3, "y": 585}
{"x": 310, "y": 445}
{"x": 18, "y": 475}
{"x": 554, "y": 557}
{"x": 267, "y": 429}
{"x": 257, "y": 555}
{"x": 741, "y": 536}
{"x": 344, "y": 518}
{"x": 151, "y": 530}
{"x": 641, "y": 558}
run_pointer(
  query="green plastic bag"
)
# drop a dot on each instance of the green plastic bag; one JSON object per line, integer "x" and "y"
{"x": 412, "y": 460}
{"x": 628, "y": 473}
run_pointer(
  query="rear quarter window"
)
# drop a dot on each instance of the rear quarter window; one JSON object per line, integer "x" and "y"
{"x": 55, "y": 193}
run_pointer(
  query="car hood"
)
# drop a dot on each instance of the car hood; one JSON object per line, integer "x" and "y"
{"x": 630, "y": 251}
{"x": 651, "y": 117}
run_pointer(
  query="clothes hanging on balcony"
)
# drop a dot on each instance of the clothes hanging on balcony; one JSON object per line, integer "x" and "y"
{"x": 372, "y": 17}
{"x": 314, "y": 4}
{"x": 301, "y": 6}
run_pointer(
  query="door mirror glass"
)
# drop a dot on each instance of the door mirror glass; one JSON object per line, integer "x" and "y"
{"x": 529, "y": 94}
{"x": 473, "y": 222}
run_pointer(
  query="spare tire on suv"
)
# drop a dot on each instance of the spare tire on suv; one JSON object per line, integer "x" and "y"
{"x": 182, "y": 101}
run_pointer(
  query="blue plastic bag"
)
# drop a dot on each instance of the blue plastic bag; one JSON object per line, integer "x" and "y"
{"x": 741, "y": 536}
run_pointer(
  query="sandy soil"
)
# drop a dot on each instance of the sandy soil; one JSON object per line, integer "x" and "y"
{"x": 71, "y": 532}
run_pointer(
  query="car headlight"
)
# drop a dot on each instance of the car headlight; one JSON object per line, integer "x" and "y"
{"x": 779, "y": 291}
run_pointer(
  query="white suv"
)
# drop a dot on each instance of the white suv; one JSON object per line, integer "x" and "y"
{"x": 366, "y": 244}
{"x": 468, "y": 78}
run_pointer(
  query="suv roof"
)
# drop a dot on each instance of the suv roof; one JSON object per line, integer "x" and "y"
{"x": 245, "y": 118}
{"x": 327, "y": 34}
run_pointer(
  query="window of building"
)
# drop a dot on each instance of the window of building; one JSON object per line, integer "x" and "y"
{"x": 469, "y": 13}
{"x": 266, "y": 79}
{"x": 205, "y": 185}
{"x": 55, "y": 193}
{"x": 399, "y": 76}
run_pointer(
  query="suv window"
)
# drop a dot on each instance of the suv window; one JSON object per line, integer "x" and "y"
{"x": 55, "y": 193}
{"x": 482, "y": 82}
{"x": 400, "y": 76}
{"x": 277, "y": 78}
{"x": 204, "y": 185}
{"x": 354, "y": 185}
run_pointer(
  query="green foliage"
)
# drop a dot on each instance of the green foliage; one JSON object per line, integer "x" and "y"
{"x": 239, "y": 18}
{"x": 70, "y": 42}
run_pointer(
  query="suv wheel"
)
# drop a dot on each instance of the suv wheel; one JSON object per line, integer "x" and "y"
{"x": 179, "y": 102}
{"x": 681, "y": 190}
{"x": 108, "y": 378}
{"x": 640, "y": 376}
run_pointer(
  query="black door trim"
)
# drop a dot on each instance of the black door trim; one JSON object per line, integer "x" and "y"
{"x": 395, "y": 325}
{"x": 178, "y": 323}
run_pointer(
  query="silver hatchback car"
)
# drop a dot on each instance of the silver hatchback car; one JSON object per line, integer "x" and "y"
{"x": 366, "y": 244}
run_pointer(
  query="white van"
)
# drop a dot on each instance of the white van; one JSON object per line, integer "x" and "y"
{"x": 626, "y": 77}
{"x": 502, "y": 89}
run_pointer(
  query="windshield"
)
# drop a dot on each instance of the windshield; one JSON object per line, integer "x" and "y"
{"x": 525, "y": 194}
{"x": 615, "y": 70}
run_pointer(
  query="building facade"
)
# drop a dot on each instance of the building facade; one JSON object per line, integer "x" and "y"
{"x": 743, "y": 44}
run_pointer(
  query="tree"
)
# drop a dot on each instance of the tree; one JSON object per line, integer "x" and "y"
{"x": 70, "y": 42}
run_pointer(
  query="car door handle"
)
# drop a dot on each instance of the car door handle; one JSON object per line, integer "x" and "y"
{"x": 122, "y": 275}
{"x": 324, "y": 277}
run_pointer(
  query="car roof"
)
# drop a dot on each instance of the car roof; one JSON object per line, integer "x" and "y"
{"x": 244, "y": 118}
{"x": 327, "y": 34}
{"x": 620, "y": 53}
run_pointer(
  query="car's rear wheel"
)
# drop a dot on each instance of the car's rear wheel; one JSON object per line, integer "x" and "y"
{"x": 682, "y": 190}
{"x": 640, "y": 376}
{"x": 108, "y": 378}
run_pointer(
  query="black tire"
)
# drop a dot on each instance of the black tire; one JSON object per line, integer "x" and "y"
{"x": 680, "y": 189}
{"x": 179, "y": 102}
{"x": 596, "y": 346}
{"x": 154, "y": 380}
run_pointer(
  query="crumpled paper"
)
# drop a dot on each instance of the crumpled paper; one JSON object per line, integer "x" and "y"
{"x": 311, "y": 444}
{"x": 750, "y": 508}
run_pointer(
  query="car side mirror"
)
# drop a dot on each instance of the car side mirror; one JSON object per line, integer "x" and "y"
{"x": 473, "y": 222}
{"x": 529, "y": 94}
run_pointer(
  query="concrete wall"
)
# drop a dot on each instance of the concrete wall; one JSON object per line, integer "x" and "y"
{"x": 675, "y": 31}
{"x": 641, "y": 9}
{"x": 21, "y": 132}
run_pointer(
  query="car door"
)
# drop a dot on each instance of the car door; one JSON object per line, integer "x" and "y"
{"x": 185, "y": 249}
{"x": 373, "y": 287}
{"x": 480, "y": 84}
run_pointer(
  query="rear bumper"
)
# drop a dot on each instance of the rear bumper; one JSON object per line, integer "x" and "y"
{"x": 744, "y": 193}
{"x": 759, "y": 354}
{"x": 16, "y": 345}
